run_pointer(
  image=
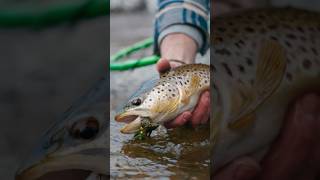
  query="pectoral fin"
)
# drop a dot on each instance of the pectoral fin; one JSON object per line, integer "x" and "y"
{"x": 271, "y": 67}
{"x": 193, "y": 87}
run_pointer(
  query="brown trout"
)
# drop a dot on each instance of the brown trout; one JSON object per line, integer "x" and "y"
{"x": 176, "y": 91}
{"x": 262, "y": 60}
{"x": 77, "y": 146}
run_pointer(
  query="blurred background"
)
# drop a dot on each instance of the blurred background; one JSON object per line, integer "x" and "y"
{"x": 42, "y": 71}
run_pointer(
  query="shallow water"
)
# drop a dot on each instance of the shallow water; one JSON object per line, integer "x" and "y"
{"x": 181, "y": 153}
{"x": 176, "y": 154}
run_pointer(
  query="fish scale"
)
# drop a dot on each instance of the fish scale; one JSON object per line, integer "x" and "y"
{"x": 236, "y": 38}
{"x": 262, "y": 60}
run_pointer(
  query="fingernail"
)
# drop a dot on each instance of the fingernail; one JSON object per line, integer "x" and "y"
{"x": 207, "y": 94}
{"x": 186, "y": 116}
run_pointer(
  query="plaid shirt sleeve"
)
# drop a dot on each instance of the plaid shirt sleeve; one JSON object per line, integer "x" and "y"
{"x": 184, "y": 16}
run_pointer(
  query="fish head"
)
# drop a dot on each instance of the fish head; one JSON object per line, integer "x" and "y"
{"x": 158, "y": 104}
{"x": 75, "y": 146}
{"x": 133, "y": 109}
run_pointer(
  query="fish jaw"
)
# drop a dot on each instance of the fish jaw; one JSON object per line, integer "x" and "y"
{"x": 130, "y": 115}
{"x": 133, "y": 119}
{"x": 59, "y": 161}
{"x": 132, "y": 127}
{"x": 71, "y": 167}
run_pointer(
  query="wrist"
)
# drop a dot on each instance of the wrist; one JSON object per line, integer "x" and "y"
{"x": 178, "y": 46}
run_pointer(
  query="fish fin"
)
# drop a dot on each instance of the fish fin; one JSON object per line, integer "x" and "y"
{"x": 194, "y": 84}
{"x": 269, "y": 74}
{"x": 243, "y": 122}
{"x": 166, "y": 106}
{"x": 270, "y": 68}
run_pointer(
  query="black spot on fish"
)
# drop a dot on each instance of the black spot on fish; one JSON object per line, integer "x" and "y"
{"x": 241, "y": 68}
{"x": 249, "y": 29}
{"x": 274, "y": 38}
{"x": 315, "y": 52}
{"x": 272, "y": 26}
{"x": 240, "y": 43}
{"x": 258, "y": 23}
{"x": 213, "y": 68}
{"x": 223, "y": 51}
{"x": 288, "y": 44}
{"x": 300, "y": 29}
{"x": 303, "y": 49}
{"x": 215, "y": 86}
{"x": 291, "y": 36}
{"x": 219, "y": 39}
{"x": 311, "y": 29}
{"x": 249, "y": 61}
{"x": 221, "y": 29}
{"x": 228, "y": 70}
{"x": 261, "y": 16}
{"x": 303, "y": 38}
{"x": 307, "y": 63}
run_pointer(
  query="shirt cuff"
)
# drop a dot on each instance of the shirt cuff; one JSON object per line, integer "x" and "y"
{"x": 190, "y": 31}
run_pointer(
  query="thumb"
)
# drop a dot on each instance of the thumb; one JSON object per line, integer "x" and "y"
{"x": 163, "y": 65}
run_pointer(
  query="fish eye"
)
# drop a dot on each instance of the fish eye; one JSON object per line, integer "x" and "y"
{"x": 136, "y": 102}
{"x": 86, "y": 128}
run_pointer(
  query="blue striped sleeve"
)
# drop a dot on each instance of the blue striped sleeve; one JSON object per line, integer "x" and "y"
{"x": 184, "y": 16}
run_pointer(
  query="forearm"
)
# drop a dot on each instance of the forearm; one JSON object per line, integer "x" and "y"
{"x": 179, "y": 46}
{"x": 185, "y": 23}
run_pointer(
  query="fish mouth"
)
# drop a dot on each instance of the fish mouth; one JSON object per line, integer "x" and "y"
{"x": 73, "y": 167}
{"x": 126, "y": 118}
{"x": 132, "y": 127}
{"x": 132, "y": 119}
{"x": 133, "y": 122}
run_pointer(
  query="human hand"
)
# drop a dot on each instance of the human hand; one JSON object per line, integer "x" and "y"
{"x": 295, "y": 155}
{"x": 200, "y": 115}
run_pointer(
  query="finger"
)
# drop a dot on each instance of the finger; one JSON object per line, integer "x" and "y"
{"x": 292, "y": 152}
{"x": 179, "y": 120}
{"x": 163, "y": 65}
{"x": 242, "y": 169}
{"x": 206, "y": 117}
{"x": 201, "y": 110}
